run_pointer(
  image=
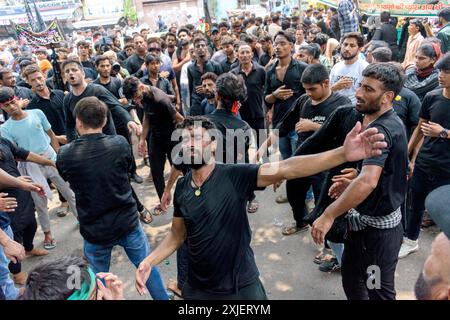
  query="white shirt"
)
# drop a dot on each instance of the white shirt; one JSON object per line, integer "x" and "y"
{"x": 353, "y": 71}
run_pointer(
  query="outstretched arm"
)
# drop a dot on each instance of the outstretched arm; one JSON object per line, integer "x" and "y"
{"x": 357, "y": 146}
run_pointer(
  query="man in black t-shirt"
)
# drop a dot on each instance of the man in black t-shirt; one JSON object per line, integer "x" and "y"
{"x": 209, "y": 211}
{"x": 117, "y": 114}
{"x": 306, "y": 116}
{"x": 159, "y": 121}
{"x": 96, "y": 166}
{"x": 430, "y": 164}
{"x": 372, "y": 200}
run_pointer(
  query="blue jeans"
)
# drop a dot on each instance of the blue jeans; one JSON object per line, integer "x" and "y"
{"x": 6, "y": 283}
{"x": 338, "y": 250}
{"x": 288, "y": 145}
{"x": 137, "y": 248}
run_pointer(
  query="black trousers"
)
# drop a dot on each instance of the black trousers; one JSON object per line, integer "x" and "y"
{"x": 254, "y": 291}
{"x": 364, "y": 250}
{"x": 159, "y": 151}
{"x": 24, "y": 236}
{"x": 296, "y": 194}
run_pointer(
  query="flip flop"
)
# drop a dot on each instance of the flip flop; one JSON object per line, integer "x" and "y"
{"x": 50, "y": 245}
{"x": 157, "y": 211}
{"x": 146, "y": 216}
{"x": 252, "y": 206}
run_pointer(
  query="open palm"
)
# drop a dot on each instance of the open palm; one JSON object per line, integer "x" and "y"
{"x": 361, "y": 145}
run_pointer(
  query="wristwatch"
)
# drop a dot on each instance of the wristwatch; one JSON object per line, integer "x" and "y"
{"x": 443, "y": 134}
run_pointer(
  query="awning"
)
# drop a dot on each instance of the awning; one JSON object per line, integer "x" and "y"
{"x": 46, "y": 15}
{"x": 95, "y": 23}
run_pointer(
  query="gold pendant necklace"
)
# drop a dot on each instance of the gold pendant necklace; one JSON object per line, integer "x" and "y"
{"x": 197, "y": 191}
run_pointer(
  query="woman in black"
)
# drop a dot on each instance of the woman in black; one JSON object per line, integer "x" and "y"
{"x": 422, "y": 77}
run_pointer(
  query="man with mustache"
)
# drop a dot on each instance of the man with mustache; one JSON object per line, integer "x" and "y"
{"x": 372, "y": 199}
{"x": 215, "y": 224}
{"x": 345, "y": 76}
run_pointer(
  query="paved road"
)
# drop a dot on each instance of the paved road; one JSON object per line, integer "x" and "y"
{"x": 285, "y": 262}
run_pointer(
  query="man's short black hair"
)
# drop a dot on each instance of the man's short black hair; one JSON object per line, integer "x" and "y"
{"x": 150, "y": 58}
{"x": 355, "y": 35}
{"x": 4, "y": 71}
{"x": 385, "y": 16}
{"x": 285, "y": 24}
{"x": 130, "y": 86}
{"x": 275, "y": 18}
{"x": 391, "y": 77}
{"x": 288, "y": 35}
{"x": 321, "y": 39}
{"x": 374, "y": 44}
{"x": 67, "y": 62}
{"x": 92, "y": 112}
{"x": 49, "y": 280}
{"x": 6, "y": 94}
{"x": 224, "y": 24}
{"x": 231, "y": 88}
{"x": 25, "y": 63}
{"x": 190, "y": 121}
{"x": 171, "y": 34}
{"x": 443, "y": 63}
{"x": 444, "y": 13}
{"x": 101, "y": 58}
{"x": 382, "y": 54}
{"x": 315, "y": 74}
{"x": 209, "y": 76}
{"x": 83, "y": 43}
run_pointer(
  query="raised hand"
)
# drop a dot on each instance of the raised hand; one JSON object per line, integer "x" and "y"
{"x": 361, "y": 145}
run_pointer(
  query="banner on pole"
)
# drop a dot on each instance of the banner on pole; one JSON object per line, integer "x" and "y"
{"x": 51, "y": 35}
{"x": 406, "y": 8}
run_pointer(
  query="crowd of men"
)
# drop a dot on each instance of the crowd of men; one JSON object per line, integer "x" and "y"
{"x": 358, "y": 114}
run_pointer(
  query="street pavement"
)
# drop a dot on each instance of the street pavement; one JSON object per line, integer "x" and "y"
{"x": 285, "y": 262}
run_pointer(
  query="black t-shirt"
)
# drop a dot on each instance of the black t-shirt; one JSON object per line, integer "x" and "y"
{"x": 390, "y": 192}
{"x": 25, "y": 206}
{"x": 160, "y": 113}
{"x": 252, "y": 108}
{"x": 231, "y": 127}
{"x": 114, "y": 86}
{"x": 117, "y": 111}
{"x": 319, "y": 113}
{"x": 407, "y": 106}
{"x": 291, "y": 81}
{"x": 195, "y": 79}
{"x": 221, "y": 260}
{"x": 97, "y": 166}
{"x": 133, "y": 64}
{"x": 88, "y": 64}
{"x": 434, "y": 156}
{"x": 53, "y": 110}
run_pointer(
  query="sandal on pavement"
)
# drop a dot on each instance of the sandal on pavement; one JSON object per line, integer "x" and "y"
{"x": 157, "y": 211}
{"x": 293, "y": 229}
{"x": 281, "y": 199}
{"x": 62, "y": 212}
{"x": 50, "y": 245}
{"x": 146, "y": 216}
{"x": 252, "y": 206}
{"x": 172, "y": 286}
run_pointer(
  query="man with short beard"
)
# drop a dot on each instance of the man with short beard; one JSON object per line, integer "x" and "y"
{"x": 209, "y": 88}
{"x": 209, "y": 211}
{"x": 134, "y": 63}
{"x": 196, "y": 70}
{"x": 372, "y": 199}
{"x": 345, "y": 76}
{"x": 74, "y": 73}
{"x": 171, "y": 41}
